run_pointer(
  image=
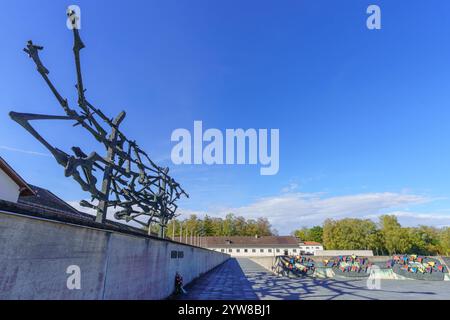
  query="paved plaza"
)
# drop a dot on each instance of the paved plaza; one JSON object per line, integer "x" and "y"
{"x": 243, "y": 279}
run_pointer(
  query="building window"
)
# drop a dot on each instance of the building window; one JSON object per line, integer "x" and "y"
{"x": 261, "y": 250}
{"x": 238, "y": 250}
{"x": 317, "y": 247}
{"x": 270, "y": 250}
{"x": 245, "y": 250}
{"x": 222, "y": 250}
{"x": 253, "y": 250}
{"x": 230, "y": 250}
{"x": 278, "y": 250}
{"x": 307, "y": 248}
{"x": 294, "y": 250}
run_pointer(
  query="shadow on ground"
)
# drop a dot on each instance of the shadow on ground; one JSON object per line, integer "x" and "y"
{"x": 226, "y": 282}
{"x": 243, "y": 279}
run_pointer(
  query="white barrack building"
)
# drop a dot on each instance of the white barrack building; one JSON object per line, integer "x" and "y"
{"x": 260, "y": 246}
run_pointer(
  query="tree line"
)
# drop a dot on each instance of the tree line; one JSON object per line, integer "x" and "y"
{"x": 386, "y": 237}
{"x": 231, "y": 225}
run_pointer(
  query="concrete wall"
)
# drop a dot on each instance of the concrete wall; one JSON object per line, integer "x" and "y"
{"x": 334, "y": 253}
{"x": 9, "y": 190}
{"x": 35, "y": 254}
{"x": 266, "y": 262}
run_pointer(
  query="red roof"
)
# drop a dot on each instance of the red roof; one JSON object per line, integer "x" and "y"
{"x": 312, "y": 243}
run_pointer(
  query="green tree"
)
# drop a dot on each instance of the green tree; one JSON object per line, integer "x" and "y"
{"x": 310, "y": 234}
{"x": 217, "y": 227}
{"x": 302, "y": 234}
{"x": 240, "y": 226}
{"x": 388, "y": 237}
{"x": 406, "y": 240}
{"x": 228, "y": 225}
{"x": 252, "y": 228}
{"x": 207, "y": 228}
{"x": 316, "y": 234}
{"x": 350, "y": 234}
{"x": 376, "y": 242}
{"x": 424, "y": 240}
{"x": 393, "y": 236}
{"x": 264, "y": 228}
{"x": 444, "y": 241}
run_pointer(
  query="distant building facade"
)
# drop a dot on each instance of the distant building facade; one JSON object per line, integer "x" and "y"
{"x": 257, "y": 246}
{"x": 310, "y": 247}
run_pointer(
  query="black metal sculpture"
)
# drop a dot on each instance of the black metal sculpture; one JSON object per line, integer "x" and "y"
{"x": 140, "y": 190}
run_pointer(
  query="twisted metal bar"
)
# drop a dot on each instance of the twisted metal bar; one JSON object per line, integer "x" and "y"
{"x": 142, "y": 192}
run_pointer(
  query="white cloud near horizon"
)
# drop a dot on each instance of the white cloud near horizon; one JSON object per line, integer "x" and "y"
{"x": 109, "y": 215}
{"x": 289, "y": 211}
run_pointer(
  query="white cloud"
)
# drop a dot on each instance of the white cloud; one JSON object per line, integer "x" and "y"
{"x": 289, "y": 211}
{"x": 290, "y": 188}
{"x": 109, "y": 215}
{"x": 34, "y": 153}
{"x": 411, "y": 218}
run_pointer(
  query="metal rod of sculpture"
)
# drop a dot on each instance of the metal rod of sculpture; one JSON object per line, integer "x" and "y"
{"x": 143, "y": 192}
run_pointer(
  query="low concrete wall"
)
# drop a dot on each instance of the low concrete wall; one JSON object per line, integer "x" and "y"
{"x": 379, "y": 273}
{"x": 266, "y": 262}
{"x": 333, "y": 253}
{"x": 35, "y": 254}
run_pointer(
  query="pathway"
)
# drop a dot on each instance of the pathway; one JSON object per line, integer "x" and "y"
{"x": 243, "y": 279}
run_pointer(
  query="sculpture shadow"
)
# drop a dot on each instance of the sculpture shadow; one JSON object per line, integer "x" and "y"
{"x": 243, "y": 279}
{"x": 225, "y": 282}
{"x": 269, "y": 286}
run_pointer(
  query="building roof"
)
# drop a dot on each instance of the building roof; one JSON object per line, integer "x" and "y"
{"x": 311, "y": 243}
{"x": 48, "y": 200}
{"x": 257, "y": 242}
{"x": 24, "y": 188}
{"x": 39, "y": 202}
{"x": 45, "y": 204}
{"x": 81, "y": 218}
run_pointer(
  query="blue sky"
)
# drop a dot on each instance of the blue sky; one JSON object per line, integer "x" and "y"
{"x": 363, "y": 115}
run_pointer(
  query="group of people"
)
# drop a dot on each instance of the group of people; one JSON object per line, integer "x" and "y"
{"x": 351, "y": 263}
{"x": 416, "y": 264}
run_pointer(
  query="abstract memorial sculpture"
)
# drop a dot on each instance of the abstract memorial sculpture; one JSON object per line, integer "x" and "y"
{"x": 126, "y": 179}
